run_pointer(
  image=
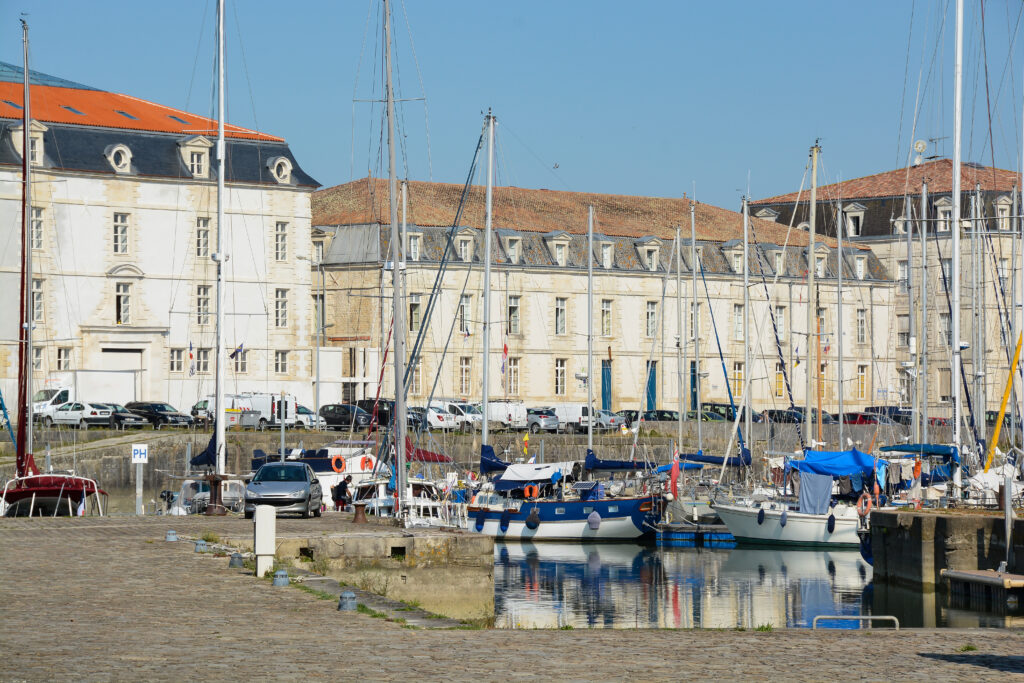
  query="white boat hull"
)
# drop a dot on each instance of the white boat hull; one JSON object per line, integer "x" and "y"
{"x": 800, "y": 529}
{"x": 620, "y": 529}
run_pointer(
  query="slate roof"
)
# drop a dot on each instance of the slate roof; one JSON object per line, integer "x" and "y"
{"x": 938, "y": 173}
{"x": 12, "y": 73}
{"x": 62, "y": 101}
{"x": 543, "y": 211}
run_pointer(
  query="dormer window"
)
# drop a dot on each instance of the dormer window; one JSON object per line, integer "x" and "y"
{"x": 737, "y": 262}
{"x": 195, "y": 154}
{"x": 318, "y": 252}
{"x": 651, "y": 257}
{"x": 560, "y": 252}
{"x": 861, "y": 265}
{"x": 819, "y": 266}
{"x": 280, "y": 169}
{"x": 414, "y": 248}
{"x": 465, "y": 250}
{"x": 767, "y": 214}
{"x": 779, "y": 262}
{"x": 854, "y": 215}
{"x": 34, "y": 145}
{"x": 944, "y": 213}
{"x": 607, "y": 255}
{"x": 35, "y": 141}
{"x": 513, "y": 249}
{"x": 119, "y": 157}
{"x": 1002, "y": 210}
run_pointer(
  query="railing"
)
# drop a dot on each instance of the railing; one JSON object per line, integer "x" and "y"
{"x": 868, "y": 618}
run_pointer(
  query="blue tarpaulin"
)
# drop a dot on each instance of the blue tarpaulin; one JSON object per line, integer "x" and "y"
{"x": 951, "y": 452}
{"x": 208, "y": 457}
{"x": 682, "y": 466}
{"x": 839, "y": 463}
{"x": 489, "y": 462}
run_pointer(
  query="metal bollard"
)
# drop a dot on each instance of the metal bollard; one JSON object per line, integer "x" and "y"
{"x": 360, "y": 513}
{"x": 280, "y": 578}
{"x": 236, "y": 561}
{"x": 171, "y": 536}
{"x": 347, "y": 602}
{"x": 201, "y": 546}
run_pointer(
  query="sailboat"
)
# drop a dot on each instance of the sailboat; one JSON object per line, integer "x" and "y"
{"x": 556, "y": 501}
{"x": 33, "y": 493}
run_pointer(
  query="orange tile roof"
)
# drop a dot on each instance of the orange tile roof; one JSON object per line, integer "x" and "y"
{"x": 515, "y": 208}
{"x": 938, "y": 173}
{"x": 101, "y": 109}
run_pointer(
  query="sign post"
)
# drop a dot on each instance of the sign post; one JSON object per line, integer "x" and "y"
{"x": 140, "y": 456}
{"x": 282, "y": 415}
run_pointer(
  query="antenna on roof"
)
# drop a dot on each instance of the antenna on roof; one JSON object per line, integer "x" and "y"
{"x": 920, "y": 146}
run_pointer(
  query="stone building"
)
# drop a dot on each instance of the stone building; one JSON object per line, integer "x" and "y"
{"x": 884, "y": 212}
{"x": 539, "y": 298}
{"x": 122, "y": 233}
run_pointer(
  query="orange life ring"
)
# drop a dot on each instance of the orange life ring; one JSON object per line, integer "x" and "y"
{"x": 334, "y": 463}
{"x": 366, "y": 463}
{"x": 531, "y": 491}
{"x": 864, "y": 504}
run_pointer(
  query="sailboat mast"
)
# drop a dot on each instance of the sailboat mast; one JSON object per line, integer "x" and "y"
{"x": 488, "y": 222}
{"x": 681, "y": 345}
{"x": 955, "y": 228}
{"x": 812, "y": 307}
{"x": 220, "y": 257}
{"x": 923, "y": 344}
{"x": 694, "y": 327}
{"x": 25, "y": 365}
{"x": 590, "y": 329}
{"x": 398, "y": 308}
{"x": 841, "y": 261}
{"x": 746, "y": 404}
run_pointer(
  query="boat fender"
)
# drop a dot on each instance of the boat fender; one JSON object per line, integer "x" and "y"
{"x": 864, "y": 504}
{"x": 480, "y": 517}
{"x": 594, "y": 520}
{"x": 338, "y": 463}
{"x": 760, "y": 517}
{"x": 503, "y": 523}
{"x": 533, "y": 519}
{"x": 784, "y": 518}
{"x": 831, "y": 523}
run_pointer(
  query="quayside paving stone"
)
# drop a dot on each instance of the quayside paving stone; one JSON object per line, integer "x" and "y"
{"x": 88, "y": 599}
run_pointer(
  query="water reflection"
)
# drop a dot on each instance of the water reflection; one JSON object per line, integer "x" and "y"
{"x": 631, "y": 586}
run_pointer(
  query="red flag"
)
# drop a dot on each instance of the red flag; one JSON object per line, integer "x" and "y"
{"x": 674, "y": 477}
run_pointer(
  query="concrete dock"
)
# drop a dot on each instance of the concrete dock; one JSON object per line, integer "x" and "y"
{"x": 102, "y": 599}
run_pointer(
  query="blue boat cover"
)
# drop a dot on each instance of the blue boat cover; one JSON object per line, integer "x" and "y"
{"x": 594, "y": 463}
{"x": 732, "y": 461}
{"x": 682, "y": 466}
{"x": 489, "y": 462}
{"x": 839, "y": 463}
{"x": 208, "y": 456}
{"x": 951, "y": 452}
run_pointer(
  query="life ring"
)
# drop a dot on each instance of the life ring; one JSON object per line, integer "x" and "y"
{"x": 531, "y": 491}
{"x": 366, "y": 463}
{"x": 334, "y": 463}
{"x": 864, "y": 504}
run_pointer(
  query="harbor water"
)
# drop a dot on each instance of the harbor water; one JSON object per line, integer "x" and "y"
{"x": 633, "y": 586}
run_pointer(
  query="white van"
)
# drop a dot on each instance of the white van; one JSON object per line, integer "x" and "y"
{"x": 510, "y": 414}
{"x": 467, "y": 416}
{"x": 572, "y": 417}
{"x": 266, "y": 406}
{"x": 203, "y": 411}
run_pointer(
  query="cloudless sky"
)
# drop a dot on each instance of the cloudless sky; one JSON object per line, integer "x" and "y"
{"x": 641, "y": 98}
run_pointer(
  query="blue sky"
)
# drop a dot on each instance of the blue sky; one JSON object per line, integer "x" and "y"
{"x": 643, "y": 98}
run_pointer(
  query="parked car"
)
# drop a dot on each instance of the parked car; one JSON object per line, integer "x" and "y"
{"x": 385, "y": 407}
{"x": 991, "y": 415}
{"x": 667, "y": 415}
{"x": 826, "y": 417}
{"x": 940, "y": 422}
{"x": 541, "y": 420}
{"x": 288, "y": 486}
{"x": 416, "y": 418}
{"x": 706, "y": 416}
{"x": 468, "y": 417}
{"x": 863, "y": 418}
{"x": 122, "y": 418}
{"x": 160, "y": 414}
{"x": 432, "y": 418}
{"x": 782, "y": 416}
{"x": 307, "y": 419}
{"x": 630, "y": 416}
{"x": 81, "y": 414}
{"x": 727, "y": 411}
{"x": 606, "y": 419}
{"x": 344, "y": 416}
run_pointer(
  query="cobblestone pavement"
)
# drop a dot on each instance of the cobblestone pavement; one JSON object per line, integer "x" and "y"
{"x": 91, "y": 599}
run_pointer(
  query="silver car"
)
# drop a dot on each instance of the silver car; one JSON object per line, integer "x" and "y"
{"x": 541, "y": 419}
{"x": 288, "y": 486}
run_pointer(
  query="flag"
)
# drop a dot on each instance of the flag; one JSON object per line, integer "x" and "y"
{"x": 674, "y": 476}
{"x": 504, "y": 357}
{"x": 796, "y": 352}
{"x": 526, "y": 443}
{"x": 235, "y": 352}
{"x": 191, "y": 361}
{"x": 81, "y": 506}
{"x": 532, "y": 460}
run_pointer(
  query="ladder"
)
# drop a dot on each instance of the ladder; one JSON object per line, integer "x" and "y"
{"x": 7, "y": 421}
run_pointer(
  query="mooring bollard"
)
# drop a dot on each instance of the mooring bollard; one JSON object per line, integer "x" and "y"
{"x": 171, "y": 536}
{"x": 347, "y": 602}
{"x": 236, "y": 561}
{"x": 280, "y": 578}
{"x": 360, "y": 513}
{"x": 264, "y": 544}
{"x": 201, "y": 546}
